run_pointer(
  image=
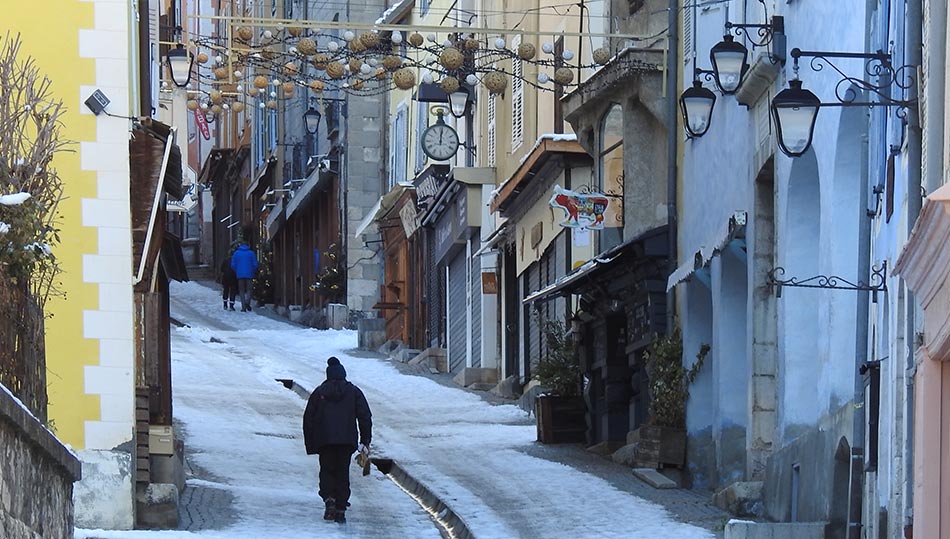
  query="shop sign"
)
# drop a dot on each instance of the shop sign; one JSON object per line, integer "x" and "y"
{"x": 582, "y": 210}
{"x": 410, "y": 219}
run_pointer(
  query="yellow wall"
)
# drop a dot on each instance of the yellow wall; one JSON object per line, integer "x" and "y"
{"x": 64, "y": 37}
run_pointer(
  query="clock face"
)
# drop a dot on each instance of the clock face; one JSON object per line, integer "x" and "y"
{"x": 440, "y": 142}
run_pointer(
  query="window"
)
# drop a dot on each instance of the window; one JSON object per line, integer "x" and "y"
{"x": 490, "y": 142}
{"x": 517, "y": 98}
{"x": 611, "y": 176}
{"x": 398, "y": 147}
{"x": 422, "y": 122}
{"x": 424, "y": 7}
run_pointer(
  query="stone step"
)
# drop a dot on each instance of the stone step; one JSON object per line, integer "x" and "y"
{"x": 653, "y": 478}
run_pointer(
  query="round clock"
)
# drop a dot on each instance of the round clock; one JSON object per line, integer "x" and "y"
{"x": 440, "y": 141}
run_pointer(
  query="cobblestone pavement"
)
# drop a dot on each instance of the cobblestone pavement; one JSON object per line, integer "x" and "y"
{"x": 202, "y": 506}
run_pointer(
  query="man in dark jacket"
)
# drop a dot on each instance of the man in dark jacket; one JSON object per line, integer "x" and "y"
{"x": 329, "y": 427}
{"x": 244, "y": 264}
{"x": 229, "y": 283}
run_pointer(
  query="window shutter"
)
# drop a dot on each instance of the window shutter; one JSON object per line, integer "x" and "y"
{"x": 491, "y": 130}
{"x": 422, "y": 116}
{"x": 517, "y": 98}
{"x": 689, "y": 44}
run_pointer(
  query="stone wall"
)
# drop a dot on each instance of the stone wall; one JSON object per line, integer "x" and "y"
{"x": 36, "y": 477}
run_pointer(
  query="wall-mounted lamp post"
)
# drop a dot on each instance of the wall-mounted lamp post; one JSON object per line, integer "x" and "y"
{"x": 180, "y": 62}
{"x": 697, "y": 104}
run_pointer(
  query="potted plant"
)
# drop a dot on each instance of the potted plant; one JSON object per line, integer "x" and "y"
{"x": 662, "y": 440}
{"x": 559, "y": 409}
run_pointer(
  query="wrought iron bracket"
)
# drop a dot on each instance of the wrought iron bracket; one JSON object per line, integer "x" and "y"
{"x": 766, "y": 32}
{"x": 877, "y": 282}
{"x": 849, "y": 88}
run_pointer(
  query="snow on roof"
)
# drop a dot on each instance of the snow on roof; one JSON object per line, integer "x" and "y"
{"x": 392, "y": 9}
{"x": 563, "y": 137}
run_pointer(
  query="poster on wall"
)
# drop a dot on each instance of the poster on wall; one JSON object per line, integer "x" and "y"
{"x": 584, "y": 211}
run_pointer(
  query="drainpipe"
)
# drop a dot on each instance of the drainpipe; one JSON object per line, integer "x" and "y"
{"x": 672, "y": 83}
{"x": 913, "y": 52}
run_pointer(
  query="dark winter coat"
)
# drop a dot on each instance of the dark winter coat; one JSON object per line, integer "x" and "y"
{"x": 333, "y": 412}
{"x": 244, "y": 262}
{"x": 228, "y": 277}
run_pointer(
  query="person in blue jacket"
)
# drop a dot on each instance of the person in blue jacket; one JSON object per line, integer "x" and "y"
{"x": 244, "y": 263}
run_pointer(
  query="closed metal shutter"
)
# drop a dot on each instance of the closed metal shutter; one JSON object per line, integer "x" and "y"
{"x": 476, "y": 306}
{"x": 533, "y": 278}
{"x": 458, "y": 282}
{"x": 560, "y": 267}
{"x": 434, "y": 292}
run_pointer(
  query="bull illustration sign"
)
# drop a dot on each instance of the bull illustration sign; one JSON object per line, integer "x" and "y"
{"x": 583, "y": 210}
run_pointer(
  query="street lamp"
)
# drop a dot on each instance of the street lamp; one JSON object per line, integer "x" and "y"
{"x": 795, "y": 110}
{"x": 179, "y": 63}
{"x": 729, "y": 63}
{"x": 312, "y": 120}
{"x": 697, "y": 104}
{"x": 458, "y": 102}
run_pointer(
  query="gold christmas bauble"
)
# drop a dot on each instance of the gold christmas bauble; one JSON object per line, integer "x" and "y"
{"x": 601, "y": 56}
{"x": 449, "y": 84}
{"x": 392, "y": 62}
{"x": 288, "y": 88}
{"x": 290, "y": 69}
{"x": 216, "y": 96}
{"x": 238, "y": 106}
{"x": 221, "y": 73}
{"x": 404, "y": 78}
{"x": 357, "y": 84}
{"x": 471, "y": 44}
{"x": 526, "y": 51}
{"x": 268, "y": 52}
{"x": 202, "y": 58}
{"x": 495, "y": 81}
{"x": 294, "y": 31}
{"x": 381, "y": 73}
{"x": 335, "y": 70}
{"x": 451, "y": 58}
{"x": 355, "y": 64}
{"x": 272, "y": 104}
{"x": 307, "y": 46}
{"x": 192, "y": 104}
{"x": 252, "y": 91}
{"x": 261, "y": 82}
{"x": 356, "y": 45}
{"x": 564, "y": 75}
{"x": 320, "y": 61}
{"x": 244, "y": 33}
{"x": 216, "y": 109}
{"x": 369, "y": 39}
{"x": 416, "y": 39}
{"x": 316, "y": 86}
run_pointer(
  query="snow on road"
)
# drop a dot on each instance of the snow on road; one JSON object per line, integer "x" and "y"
{"x": 469, "y": 452}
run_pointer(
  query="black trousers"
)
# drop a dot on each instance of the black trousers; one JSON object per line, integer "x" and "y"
{"x": 230, "y": 291}
{"x": 335, "y": 474}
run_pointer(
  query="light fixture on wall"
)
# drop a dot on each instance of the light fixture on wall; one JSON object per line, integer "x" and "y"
{"x": 180, "y": 62}
{"x": 311, "y": 119}
{"x": 697, "y": 104}
{"x": 795, "y": 109}
{"x": 458, "y": 102}
{"x": 730, "y": 61}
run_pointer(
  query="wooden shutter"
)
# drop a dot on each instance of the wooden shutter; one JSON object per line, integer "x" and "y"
{"x": 689, "y": 44}
{"x": 517, "y": 98}
{"x": 491, "y": 130}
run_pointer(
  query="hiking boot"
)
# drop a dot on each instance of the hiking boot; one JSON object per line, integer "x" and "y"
{"x": 340, "y": 516}
{"x": 330, "y": 512}
{"x": 225, "y": 305}
{"x": 231, "y": 306}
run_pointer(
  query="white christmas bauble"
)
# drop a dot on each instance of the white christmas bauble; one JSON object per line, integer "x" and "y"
{"x": 568, "y": 55}
{"x": 366, "y": 69}
{"x": 348, "y": 35}
{"x": 548, "y": 48}
{"x": 333, "y": 46}
{"x": 500, "y": 43}
{"x": 204, "y": 106}
{"x": 373, "y": 62}
{"x": 275, "y": 82}
{"x": 432, "y": 38}
{"x": 164, "y": 84}
{"x": 293, "y": 50}
{"x": 262, "y": 105}
{"x": 427, "y": 77}
{"x": 471, "y": 80}
{"x": 447, "y": 44}
{"x": 240, "y": 88}
{"x": 226, "y": 106}
{"x": 238, "y": 74}
{"x": 273, "y": 94}
{"x": 397, "y": 37}
{"x": 268, "y": 34}
{"x": 219, "y": 59}
{"x": 543, "y": 78}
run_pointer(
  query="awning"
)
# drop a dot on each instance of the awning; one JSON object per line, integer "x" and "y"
{"x": 172, "y": 259}
{"x": 384, "y": 204}
{"x": 317, "y": 181}
{"x": 268, "y": 167}
{"x": 492, "y": 240}
{"x": 546, "y": 147}
{"x": 650, "y": 244}
{"x": 275, "y": 219}
{"x": 732, "y": 229}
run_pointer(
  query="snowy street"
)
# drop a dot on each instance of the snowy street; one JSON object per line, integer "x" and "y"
{"x": 243, "y": 430}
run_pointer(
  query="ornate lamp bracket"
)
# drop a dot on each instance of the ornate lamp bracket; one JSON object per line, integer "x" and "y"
{"x": 770, "y": 35}
{"x": 878, "y": 281}
{"x": 882, "y": 79}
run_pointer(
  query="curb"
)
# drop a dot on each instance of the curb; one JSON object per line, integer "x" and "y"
{"x": 451, "y": 526}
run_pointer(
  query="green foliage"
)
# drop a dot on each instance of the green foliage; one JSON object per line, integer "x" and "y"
{"x": 329, "y": 280}
{"x": 669, "y": 380}
{"x": 264, "y": 280}
{"x": 558, "y": 368}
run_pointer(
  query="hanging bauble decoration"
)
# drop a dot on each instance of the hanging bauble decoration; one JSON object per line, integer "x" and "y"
{"x": 238, "y": 106}
{"x": 392, "y": 62}
{"x": 335, "y": 70}
{"x": 260, "y": 81}
{"x": 221, "y": 73}
{"x": 366, "y": 69}
{"x": 601, "y": 56}
{"x": 294, "y": 31}
{"x": 238, "y": 74}
{"x": 216, "y": 109}
{"x": 381, "y": 73}
{"x": 204, "y": 106}
{"x": 253, "y": 92}
{"x": 216, "y": 96}
{"x": 499, "y": 43}
{"x": 543, "y": 78}
{"x": 316, "y": 86}
{"x": 369, "y": 39}
{"x": 272, "y": 104}
{"x": 564, "y": 75}
{"x": 244, "y": 33}
{"x": 349, "y": 35}
{"x": 268, "y": 52}
{"x": 416, "y": 40}
{"x": 355, "y": 65}
{"x": 333, "y": 46}
{"x": 202, "y": 58}
{"x": 472, "y": 44}
{"x": 404, "y": 78}
{"x": 288, "y": 88}
{"x": 291, "y": 69}
{"x": 226, "y": 107}
{"x": 548, "y": 47}
{"x": 320, "y": 61}
{"x": 396, "y": 37}
{"x": 307, "y": 46}
{"x": 451, "y": 58}
{"x": 427, "y": 77}
{"x": 192, "y": 104}
{"x": 471, "y": 79}
{"x": 356, "y": 45}
{"x": 495, "y": 81}
{"x": 567, "y": 55}
{"x": 526, "y": 51}
{"x": 449, "y": 84}
{"x": 357, "y": 84}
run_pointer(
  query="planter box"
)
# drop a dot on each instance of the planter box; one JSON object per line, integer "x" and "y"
{"x": 561, "y": 419}
{"x": 660, "y": 446}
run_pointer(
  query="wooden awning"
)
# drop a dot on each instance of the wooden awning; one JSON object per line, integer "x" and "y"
{"x": 547, "y": 146}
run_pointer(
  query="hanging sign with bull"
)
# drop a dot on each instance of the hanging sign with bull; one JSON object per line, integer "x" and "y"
{"x": 583, "y": 210}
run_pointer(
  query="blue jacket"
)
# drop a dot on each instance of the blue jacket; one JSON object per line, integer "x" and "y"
{"x": 244, "y": 262}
